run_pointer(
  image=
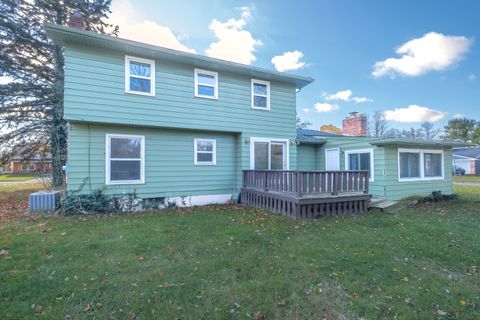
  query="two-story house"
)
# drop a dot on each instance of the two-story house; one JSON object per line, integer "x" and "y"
{"x": 194, "y": 130}
{"x": 165, "y": 123}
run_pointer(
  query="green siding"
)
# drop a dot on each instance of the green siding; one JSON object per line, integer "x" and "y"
{"x": 396, "y": 190}
{"x": 356, "y": 143}
{"x": 95, "y": 94}
{"x": 386, "y": 182}
{"x": 169, "y": 162}
{"x": 307, "y": 157}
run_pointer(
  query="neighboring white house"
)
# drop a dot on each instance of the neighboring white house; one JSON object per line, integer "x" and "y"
{"x": 468, "y": 159}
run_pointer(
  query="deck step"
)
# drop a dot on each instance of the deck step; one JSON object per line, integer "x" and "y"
{"x": 380, "y": 203}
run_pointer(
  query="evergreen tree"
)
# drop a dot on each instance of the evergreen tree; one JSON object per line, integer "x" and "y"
{"x": 463, "y": 128}
{"x": 31, "y": 102}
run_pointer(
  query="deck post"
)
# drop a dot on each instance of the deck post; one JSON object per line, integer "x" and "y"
{"x": 299, "y": 183}
{"x": 335, "y": 184}
{"x": 367, "y": 181}
{"x": 265, "y": 186}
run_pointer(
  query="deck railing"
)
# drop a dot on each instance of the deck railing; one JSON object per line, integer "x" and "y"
{"x": 307, "y": 182}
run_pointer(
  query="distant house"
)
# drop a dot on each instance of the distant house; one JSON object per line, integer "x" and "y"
{"x": 468, "y": 159}
{"x": 33, "y": 164}
{"x": 398, "y": 167}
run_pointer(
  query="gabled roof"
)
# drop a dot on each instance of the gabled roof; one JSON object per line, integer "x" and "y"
{"x": 310, "y": 136}
{"x": 471, "y": 153}
{"x": 316, "y": 133}
{"x": 66, "y": 35}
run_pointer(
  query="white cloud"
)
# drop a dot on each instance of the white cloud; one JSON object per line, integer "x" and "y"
{"x": 134, "y": 28}
{"x": 432, "y": 52}
{"x": 5, "y": 80}
{"x": 345, "y": 95}
{"x": 306, "y": 110}
{"x": 325, "y": 107}
{"x": 414, "y": 113}
{"x": 234, "y": 43}
{"x": 472, "y": 77}
{"x": 289, "y": 60}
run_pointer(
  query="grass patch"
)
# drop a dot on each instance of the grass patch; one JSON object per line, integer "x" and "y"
{"x": 466, "y": 179}
{"x": 16, "y": 177}
{"x": 243, "y": 263}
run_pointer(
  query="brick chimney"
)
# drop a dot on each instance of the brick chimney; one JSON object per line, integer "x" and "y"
{"x": 355, "y": 124}
{"x": 76, "y": 20}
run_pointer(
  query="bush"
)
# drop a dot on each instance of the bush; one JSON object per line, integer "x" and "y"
{"x": 437, "y": 196}
{"x": 96, "y": 202}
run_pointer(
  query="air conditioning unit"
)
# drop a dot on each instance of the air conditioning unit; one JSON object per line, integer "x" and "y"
{"x": 43, "y": 201}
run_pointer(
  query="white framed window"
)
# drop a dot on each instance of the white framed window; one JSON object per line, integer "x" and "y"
{"x": 260, "y": 94}
{"x": 269, "y": 154}
{"x": 419, "y": 164}
{"x": 139, "y": 76}
{"x": 125, "y": 159}
{"x": 360, "y": 160}
{"x": 206, "y": 84}
{"x": 205, "y": 151}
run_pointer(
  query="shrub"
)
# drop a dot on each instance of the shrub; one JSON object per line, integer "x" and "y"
{"x": 437, "y": 196}
{"x": 95, "y": 202}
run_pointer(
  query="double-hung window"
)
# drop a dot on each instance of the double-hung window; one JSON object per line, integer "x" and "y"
{"x": 360, "y": 160}
{"x": 206, "y": 84}
{"x": 415, "y": 164}
{"x": 260, "y": 94}
{"x": 205, "y": 151}
{"x": 139, "y": 76}
{"x": 125, "y": 159}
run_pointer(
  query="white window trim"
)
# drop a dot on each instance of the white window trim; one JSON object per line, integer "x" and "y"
{"x": 108, "y": 159}
{"x": 326, "y": 157}
{"x": 372, "y": 164}
{"x": 267, "y": 83}
{"x": 422, "y": 164}
{"x": 215, "y": 86}
{"x": 213, "y": 152}
{"x": 128, "y": 59}
{"x": 286, "y": 159}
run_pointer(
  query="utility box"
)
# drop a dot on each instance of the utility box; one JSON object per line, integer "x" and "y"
{"x": 43, "y": 201}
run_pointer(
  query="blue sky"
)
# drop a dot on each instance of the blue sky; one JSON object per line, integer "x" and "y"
{"x": 427, "y": 52}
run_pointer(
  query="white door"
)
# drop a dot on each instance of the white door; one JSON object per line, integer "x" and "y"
{"x": 332, "y": 159}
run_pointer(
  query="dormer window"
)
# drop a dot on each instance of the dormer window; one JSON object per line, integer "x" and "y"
{"x": 260, "y": 94}
{"x": 206, "y": 84}
{"x": 139, "y": 76}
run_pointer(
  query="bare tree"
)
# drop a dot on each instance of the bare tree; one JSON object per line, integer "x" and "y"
{"x": 378, "y": 125}
{"x": 429, "y": 130}
{"x": 303, "y": 124}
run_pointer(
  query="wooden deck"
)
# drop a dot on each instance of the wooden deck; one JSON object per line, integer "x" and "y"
{"x": 306, "y": 194}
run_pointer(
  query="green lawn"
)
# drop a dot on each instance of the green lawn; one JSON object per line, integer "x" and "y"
{"x": 237, "y": 263}
{"x": 466, "y": 179}
{"x": 16, "y": 177}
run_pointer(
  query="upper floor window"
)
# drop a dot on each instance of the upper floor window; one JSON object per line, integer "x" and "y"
{"x": 125, "y": 159}
{"x": 139, "y": 76}
{"x": 260, "y": 94}
{"x": 206, "y": 84}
